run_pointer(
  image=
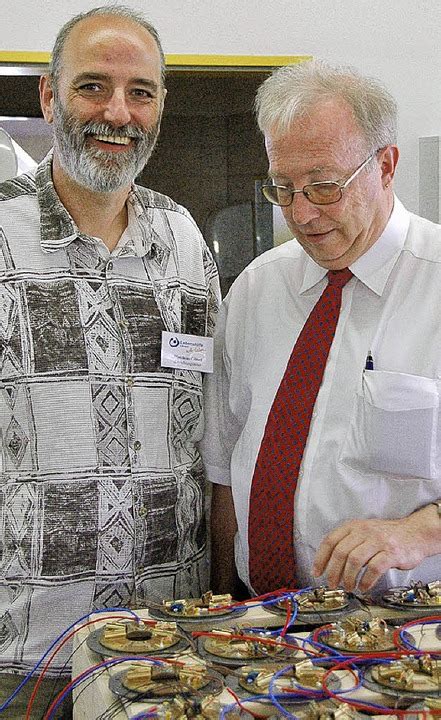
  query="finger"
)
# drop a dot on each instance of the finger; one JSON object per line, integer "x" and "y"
{"x": 326, "y": 549}
{"x": 357, "y": 559}
{"x": 344, "y": 563}
{"x": 375, "y": 568}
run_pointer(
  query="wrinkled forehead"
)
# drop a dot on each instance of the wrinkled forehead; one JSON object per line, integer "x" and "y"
{"x": 332, "y": 117}
{"x": 327, "y": 135}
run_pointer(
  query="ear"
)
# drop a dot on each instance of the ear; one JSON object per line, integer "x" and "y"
{"x": 388, "y": 159}
{"x": 47, "y": 98}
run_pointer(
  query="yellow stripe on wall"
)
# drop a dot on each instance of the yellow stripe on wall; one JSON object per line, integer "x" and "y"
{"x": 235, "y": 60}
{"x": 18, "y": 56}
{"x": 27, "y": 57}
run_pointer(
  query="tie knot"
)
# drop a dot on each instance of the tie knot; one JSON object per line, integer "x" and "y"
{"x": 339, "y": 278}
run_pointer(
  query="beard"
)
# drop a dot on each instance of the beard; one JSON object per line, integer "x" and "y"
{"x": 91, "y": 167}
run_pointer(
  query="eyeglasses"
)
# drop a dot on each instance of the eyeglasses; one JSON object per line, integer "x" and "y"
{"x": 319, "y": 193}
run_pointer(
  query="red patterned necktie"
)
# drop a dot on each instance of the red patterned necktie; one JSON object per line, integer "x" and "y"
{"x": 271, "y": 508}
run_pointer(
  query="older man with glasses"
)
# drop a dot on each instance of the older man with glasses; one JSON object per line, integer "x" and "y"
{"x": 321, "y": 438}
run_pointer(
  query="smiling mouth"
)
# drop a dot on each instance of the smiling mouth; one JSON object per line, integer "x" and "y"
{"x": 113, "y": 139}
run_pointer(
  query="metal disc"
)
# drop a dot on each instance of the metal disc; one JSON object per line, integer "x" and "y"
{"x": 93, "y": 642}
{"x": 157, "y": 613}
{"x": 213, "y": 686}
{"x": 205, "y": 650}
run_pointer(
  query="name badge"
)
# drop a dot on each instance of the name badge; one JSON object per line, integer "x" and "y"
{"x": 187, "y": 352}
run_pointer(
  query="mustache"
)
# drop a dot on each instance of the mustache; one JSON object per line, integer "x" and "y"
{"x": 102, "y": 128}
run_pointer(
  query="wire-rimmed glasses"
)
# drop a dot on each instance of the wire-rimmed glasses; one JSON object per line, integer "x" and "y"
{"x": 324, "y": 192}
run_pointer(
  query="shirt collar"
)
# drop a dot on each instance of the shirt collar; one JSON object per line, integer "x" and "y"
{"x": 374, "y": 266}
{"x": 58, "y": 229}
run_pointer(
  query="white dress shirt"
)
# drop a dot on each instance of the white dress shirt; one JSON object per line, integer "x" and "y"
{"x": 374, "y": 447}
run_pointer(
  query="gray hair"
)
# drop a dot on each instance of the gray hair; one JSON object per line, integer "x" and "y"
{"x": 291, "y": 91}
{"x": 114, "y": 10}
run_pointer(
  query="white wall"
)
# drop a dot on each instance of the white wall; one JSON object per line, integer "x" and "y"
{"x": 395, "y": 40}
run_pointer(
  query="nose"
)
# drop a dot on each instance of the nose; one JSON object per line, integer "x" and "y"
{"x": 116, "y": 111}
{"x": 301, "y": 211}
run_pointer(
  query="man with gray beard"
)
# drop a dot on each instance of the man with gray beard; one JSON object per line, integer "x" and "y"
{"x": 101, "y": 485}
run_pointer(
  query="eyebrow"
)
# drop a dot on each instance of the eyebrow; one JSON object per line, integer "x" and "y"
{"x": 318, "y": 170}
{"x": 91, "y": 77}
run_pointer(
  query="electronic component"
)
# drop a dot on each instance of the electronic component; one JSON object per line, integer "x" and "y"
{"x": 194, "y": 611}
{"x": 241, "y": 645}
{"x": 356, "y": 635}
{"x": 207, "y": 605}
{"x": 124, "y": 637}
{"x": 181, "y": 708}
{"x": 304, "y": 674}
{"x": 433, "y": 703}
{"x": 311, "y": 605}
{"x": 165, "y": 679}
{"x": 320, "y": 599}
{"x": 130, "y": 637}
{"x": 420, "y": 674}
{"x": 154, "y": 683}
{"x": 327, "y": 710}
{"x": 417, "y": 595}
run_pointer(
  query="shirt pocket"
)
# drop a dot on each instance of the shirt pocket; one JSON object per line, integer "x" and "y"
{"x": 395, "y": 426}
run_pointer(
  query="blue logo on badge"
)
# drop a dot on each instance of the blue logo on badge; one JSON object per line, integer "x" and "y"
{"x": 173, "y": 342}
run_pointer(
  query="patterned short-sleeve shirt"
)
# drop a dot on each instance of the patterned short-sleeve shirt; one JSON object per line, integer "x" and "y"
{"x": 101, "y": 485}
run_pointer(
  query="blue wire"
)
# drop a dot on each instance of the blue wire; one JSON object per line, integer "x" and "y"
{"x": 333, "y": 652}
{"x": 27, "y": 677}
{"x": 304, "y": 693}
{"x": 359, "y": 681}
{"x": 90, "y": 671}
{"x": 295, "y": 609}
{"x": 321, "y": 694}
{"x": 274, "y": 696}
{"x": 277, "y": 599}
{"x": 314, "y": 693}
{"x": 361, "y": 673}
{"x": 235, "y": 705}
{"x": 408, "y": 644}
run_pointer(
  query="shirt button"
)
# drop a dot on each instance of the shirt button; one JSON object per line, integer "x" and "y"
{"x": 123, "y": 324}
{"x": 137, "y": 445}
{"x": 130, "y": 382}
{"x": 110, "y": 265}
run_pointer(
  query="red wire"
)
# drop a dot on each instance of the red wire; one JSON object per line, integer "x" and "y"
{"x": 69, "y": 685}
{"x": 319, "y": 631}
{"x": 58, "y": 648}
{"x": 411, "y": 623}
{"x": 257, "y": 598}
{"x": 242, "y": 707}
{"x": 92, "y": 668}
{"x": 251, "y": 638}
{"x": 358, "y": 704}
{"x": 288, "y": 618}
{"x": 342, "y": 665}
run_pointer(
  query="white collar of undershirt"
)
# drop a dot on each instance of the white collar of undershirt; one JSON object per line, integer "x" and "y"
{"x": 375, "y": 265}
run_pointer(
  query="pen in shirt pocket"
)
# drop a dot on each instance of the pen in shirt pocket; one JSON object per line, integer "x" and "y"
{"x": 369, "y": 365}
